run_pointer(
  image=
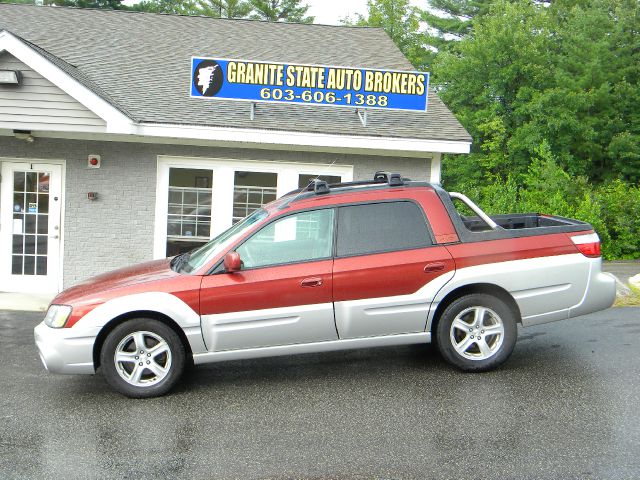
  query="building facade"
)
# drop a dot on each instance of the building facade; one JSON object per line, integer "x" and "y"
{"x": 106, "y": 160}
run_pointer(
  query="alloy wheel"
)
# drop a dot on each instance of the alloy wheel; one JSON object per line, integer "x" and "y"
{"x": 477, "y": 333}
{"x": 143, "y": 359}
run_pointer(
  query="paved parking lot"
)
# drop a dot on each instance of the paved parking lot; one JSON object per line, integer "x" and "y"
{"x": 565, "y": 406}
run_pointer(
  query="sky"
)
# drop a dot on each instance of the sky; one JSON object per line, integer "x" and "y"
{"x": 331, "y": 11}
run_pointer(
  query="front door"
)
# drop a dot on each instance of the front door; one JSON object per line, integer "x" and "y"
{"x": 30, "y": 203}
{"x": 282, "y": 294}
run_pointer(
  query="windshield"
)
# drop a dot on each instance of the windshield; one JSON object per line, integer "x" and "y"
{"x": 201, "y": 256}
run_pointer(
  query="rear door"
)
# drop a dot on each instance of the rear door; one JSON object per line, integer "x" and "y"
{"x": 282, "y": 295}
{"x": 385, "y": 269}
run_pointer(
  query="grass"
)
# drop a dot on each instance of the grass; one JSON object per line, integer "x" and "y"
{"x": 631, "y": 300}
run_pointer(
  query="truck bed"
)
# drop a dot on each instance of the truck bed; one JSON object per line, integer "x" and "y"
{"x": 515, "y": 221}
{"x": 473, "y": 228}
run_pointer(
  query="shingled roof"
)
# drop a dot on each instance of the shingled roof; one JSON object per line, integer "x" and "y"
{"x": 140, "y": 63}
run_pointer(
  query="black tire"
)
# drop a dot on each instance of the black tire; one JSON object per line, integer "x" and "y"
{"x": 168, "y": 362}
{"x": 486, "y": 351}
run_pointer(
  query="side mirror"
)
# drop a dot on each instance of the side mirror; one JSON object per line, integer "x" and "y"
{"x": 232, "y": 262}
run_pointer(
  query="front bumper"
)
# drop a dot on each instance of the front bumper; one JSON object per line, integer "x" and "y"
{"x": 62, "y": 352}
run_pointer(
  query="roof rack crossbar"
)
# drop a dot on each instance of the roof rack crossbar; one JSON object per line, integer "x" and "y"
{"x": 320, "y": 187}
{"x": 392, "y": 179}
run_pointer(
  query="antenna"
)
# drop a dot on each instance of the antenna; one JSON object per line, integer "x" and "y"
{"x": 311, "y": 182}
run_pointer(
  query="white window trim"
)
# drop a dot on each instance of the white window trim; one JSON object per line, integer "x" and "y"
{"x": 222, "y": 187}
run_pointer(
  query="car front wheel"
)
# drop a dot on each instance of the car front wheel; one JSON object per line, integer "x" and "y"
{"x": 477, "y": 332}
{"x": 142, "y": 358}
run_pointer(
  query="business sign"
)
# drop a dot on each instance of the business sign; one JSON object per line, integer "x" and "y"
{"x": 308, "y": 84}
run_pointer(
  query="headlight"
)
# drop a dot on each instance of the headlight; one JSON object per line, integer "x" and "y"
{"x": 57, "y": 316}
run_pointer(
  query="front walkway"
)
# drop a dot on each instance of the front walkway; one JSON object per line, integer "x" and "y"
{"x": 32, "y": 302}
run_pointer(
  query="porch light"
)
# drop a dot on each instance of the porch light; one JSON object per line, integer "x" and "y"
{"x": 9, "y": 77}
{"x": 24, "y": 135}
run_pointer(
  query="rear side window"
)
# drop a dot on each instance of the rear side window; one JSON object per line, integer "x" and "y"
{"x": 381, "y": 227}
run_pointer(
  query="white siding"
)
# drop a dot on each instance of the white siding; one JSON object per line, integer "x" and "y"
{"x": 37, "y": 104}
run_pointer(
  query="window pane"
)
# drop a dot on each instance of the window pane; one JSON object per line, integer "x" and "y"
{"x": 16, "y": 265}
{"x": 30, "y": 244}
{"x": 32, "y": 182}
{"x": 41, "y": 265}
{"x": 43, "y": 203}
{"x": 251, "y": 191}
{"x": 29, "y": 265}
{"x": 43, "y": 223}
{"x": 381, "y": 227}
{"x": 304, "y": 180}
{"x": 18, "y": 202}
{"x": 18, "y": 182}
{"x": 297, "y": 238}
{"x": 30, "y": 223}
{"x": 176, "y": 247}
{"x": 17, "y": 244}
{"x": 42, "y": 245}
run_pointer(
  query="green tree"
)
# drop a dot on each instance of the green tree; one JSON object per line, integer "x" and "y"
{"x": 106, "y": 4}
{"x": 280, "y": 11}
{"x": 451, "y": 20}
{"x": 179, "y": 7}
{"x": 566, "y": 74}
{"x": 401, "y": 21}
{"x": 225, "y": 8}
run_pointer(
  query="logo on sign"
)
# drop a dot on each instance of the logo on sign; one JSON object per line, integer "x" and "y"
{"x": 208, "y": 78}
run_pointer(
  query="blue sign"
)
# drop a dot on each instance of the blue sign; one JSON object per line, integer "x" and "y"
{"x": 308, "y": 84}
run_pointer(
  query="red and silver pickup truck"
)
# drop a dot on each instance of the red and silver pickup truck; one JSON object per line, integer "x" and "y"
{"x": 331, "y": 267}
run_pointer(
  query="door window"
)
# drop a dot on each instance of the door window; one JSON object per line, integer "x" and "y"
{"x": 301, "y": 237}
{"x": 381, "y": 227}
{"x": 30, "y": 223}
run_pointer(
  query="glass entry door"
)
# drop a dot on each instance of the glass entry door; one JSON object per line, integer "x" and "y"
{"x": 30, "y": 236}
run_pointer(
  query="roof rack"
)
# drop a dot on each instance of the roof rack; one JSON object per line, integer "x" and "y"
{"x": 321, "y": 187}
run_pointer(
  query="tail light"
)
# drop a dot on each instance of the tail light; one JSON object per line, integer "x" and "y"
{"x": 589, "y": 244}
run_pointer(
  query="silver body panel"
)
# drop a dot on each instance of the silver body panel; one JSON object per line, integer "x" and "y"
{"x": 545, "y": 289}
{"x": 269, "y": 327}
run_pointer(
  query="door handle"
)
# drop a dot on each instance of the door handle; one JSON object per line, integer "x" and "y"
{"x": 311, "y": 282}
{"x": 434, "y": 267}
{"x": 55, "y": 237}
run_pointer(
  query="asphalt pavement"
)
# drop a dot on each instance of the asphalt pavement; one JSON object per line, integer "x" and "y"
{"x": 564, "y": 406}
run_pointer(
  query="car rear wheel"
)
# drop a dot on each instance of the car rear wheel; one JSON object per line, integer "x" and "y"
{"x": 477, "y": 332}
{"x": 142, "y": 358}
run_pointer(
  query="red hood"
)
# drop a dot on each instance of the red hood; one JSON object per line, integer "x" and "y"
{"x": 124, "y": 277}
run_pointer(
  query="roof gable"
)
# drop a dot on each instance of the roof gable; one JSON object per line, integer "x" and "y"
{"x": 39, "y": 104}
{"x": 50, "y": 73}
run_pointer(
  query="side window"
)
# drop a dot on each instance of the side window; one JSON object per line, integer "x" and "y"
{"x": 302, "y": 237}
{"x": 381, "y": 227}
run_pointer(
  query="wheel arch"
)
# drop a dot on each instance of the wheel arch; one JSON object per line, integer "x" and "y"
{"x": 120, "y": 319}
{"x": 486, "y": 288}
